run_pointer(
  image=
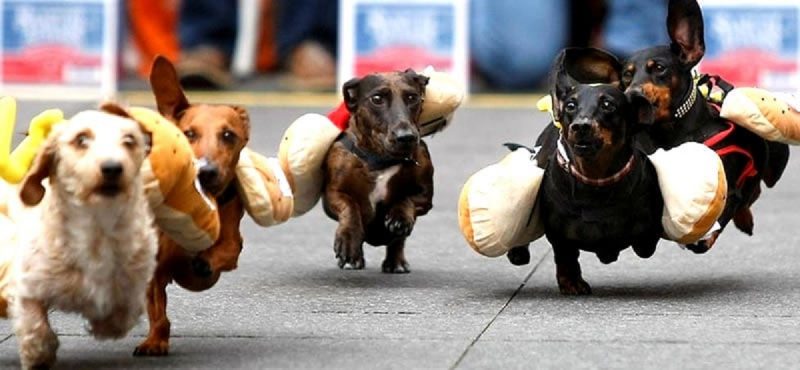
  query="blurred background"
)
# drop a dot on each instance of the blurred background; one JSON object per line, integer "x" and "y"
{"x": 314, "y": 45}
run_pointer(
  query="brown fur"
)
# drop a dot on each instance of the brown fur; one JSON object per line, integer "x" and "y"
{"x": 217, "y": 134}
{"x": 660, "y": 97}
{"x": 349, "y": 182}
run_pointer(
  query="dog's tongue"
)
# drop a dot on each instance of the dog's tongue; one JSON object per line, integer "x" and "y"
{"x": 340, "y": 116}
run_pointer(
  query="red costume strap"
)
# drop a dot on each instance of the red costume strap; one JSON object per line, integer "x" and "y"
{"x": 340, "y": 116}
{"x": 749, "y": 170}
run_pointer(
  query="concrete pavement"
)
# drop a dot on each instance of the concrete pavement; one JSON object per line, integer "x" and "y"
{"x": 289, "y": 306}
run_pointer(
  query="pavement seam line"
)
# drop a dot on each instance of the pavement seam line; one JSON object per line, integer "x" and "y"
{"x": 499, "y": 312}
{"x": 6, "y": 338}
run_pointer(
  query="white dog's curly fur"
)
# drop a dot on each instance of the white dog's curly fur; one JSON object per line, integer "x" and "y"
{"x": 89, "y": 246}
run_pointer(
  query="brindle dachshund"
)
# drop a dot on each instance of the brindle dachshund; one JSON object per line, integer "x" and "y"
{"x": 599, "y": 193}
{"x": 659, "y": 80}
{"x": 378, "y": 173}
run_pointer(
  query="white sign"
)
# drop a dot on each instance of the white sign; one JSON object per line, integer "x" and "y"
{"x": 59, "y": 49}
{"x": 391, "y": 35}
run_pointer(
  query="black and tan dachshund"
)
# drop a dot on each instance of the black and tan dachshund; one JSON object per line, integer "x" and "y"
{"x": 659, "y": 82}
{"x": 599, "y": 193}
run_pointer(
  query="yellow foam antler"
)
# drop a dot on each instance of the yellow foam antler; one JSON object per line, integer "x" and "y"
{"x": 13, "y": 166}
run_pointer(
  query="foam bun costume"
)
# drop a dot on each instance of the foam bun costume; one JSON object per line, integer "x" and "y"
{"x": 181, "y": 209}
{"x": 774, "y": 117}
{"x": 306, "y": 141}
{"x": 692, "y": 181}
{"x": 496, "y": 208}
{"x": 263, "y": 188}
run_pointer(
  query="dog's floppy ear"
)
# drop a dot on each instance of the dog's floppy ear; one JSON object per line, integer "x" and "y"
{"x": 32, "y": 191}
{"x": 420, "y": 80}
{"x": 166, "y": 86}
{"x": 115, "y": 109}
{"x": 591, "y": 65}
{"x": 574, "y": 66}
{"x": 244, "y": 116}
{"x": 350, "y": 93}
{"x": 685, "y": 27}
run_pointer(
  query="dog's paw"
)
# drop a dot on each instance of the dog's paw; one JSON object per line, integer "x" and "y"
{"x": 704, "y": 245}
{"x": 201, "y": 268}
{"x": 519, "y": 256}
{"x": 395, "y": 267}
{"x": 349, "y": 251}
{"x": 608, "y": 257}
{"x": 644, "y": 251}
{"x": 398, "y": 226}
{"x": 574, "y": 287}
{"x": 39, "y": 352}
{"x": 152, "y": 348}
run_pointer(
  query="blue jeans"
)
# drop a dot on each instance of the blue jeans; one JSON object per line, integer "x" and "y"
{"x": 634, "y": 25}
{"x": 301, "y": 20}
{"x": 208, "y": 23}
{"x": 513, "y": 42}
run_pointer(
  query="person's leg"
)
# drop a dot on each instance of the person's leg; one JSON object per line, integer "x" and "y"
{"x": 514, "y": 42}
{"x": 207, "y": 35}
{"x": 302, "y": 20}
{"x": 635, "y": 24}
{"x": 203, "y": 23}
{"x": 306, "y": 40}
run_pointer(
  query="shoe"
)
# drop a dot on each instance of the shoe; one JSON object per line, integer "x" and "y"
{"x": 311, "y": 66}
{"x": 204, "y": 68}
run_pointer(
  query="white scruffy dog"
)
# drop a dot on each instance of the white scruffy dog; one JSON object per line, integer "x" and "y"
{"x": 89, "y": 245}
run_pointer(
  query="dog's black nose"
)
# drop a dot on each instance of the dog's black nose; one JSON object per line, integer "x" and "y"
{"x": 581, "y": 126}
{"x": 208, "y": 173}
{"x": 405, "y": 137}
{"x": 111, "y": 170}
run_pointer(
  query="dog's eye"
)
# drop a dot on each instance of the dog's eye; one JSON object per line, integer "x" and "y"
{"x": 607, "y": 106}
{"x": 228, "y": 136}
{"x": 412, "y": 98}
{"x": 82, "y": 140}
{"x": 570, "y": 107}
{"x": 129, "y": 141}
{"x": 190, "y": 134}
{"x": 659, "y": 67}
{"x": 377, "y": 99}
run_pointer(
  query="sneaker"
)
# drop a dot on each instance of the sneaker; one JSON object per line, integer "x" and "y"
{"x": 204, "y": 68}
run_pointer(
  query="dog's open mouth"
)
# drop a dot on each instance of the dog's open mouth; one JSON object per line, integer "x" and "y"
{"x": 109, "y": 189}
{"x": 586, "y": 147}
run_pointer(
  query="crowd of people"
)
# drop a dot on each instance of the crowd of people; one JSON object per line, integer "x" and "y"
{"x": 511, "y": 43}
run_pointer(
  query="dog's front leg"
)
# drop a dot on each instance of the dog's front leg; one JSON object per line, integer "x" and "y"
{"x": 157, "y": 341}
{"x": 348, "y": 244}
{"x": 399, "y": 222}
{"x": 37, "y": 341}
{"x": 568, "y": 271}
{"x": 224, "y": 254}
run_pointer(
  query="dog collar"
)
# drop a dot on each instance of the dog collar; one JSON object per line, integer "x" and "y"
{"x": 564, "y": 163}
{"x": 687, "y": 105}
{"x": 227, "y": 195}
{"x": 374, "y": 161}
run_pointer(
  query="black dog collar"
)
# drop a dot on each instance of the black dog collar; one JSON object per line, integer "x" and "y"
{"x": 564, "y": 163}
{"x": 374, "y": 161}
